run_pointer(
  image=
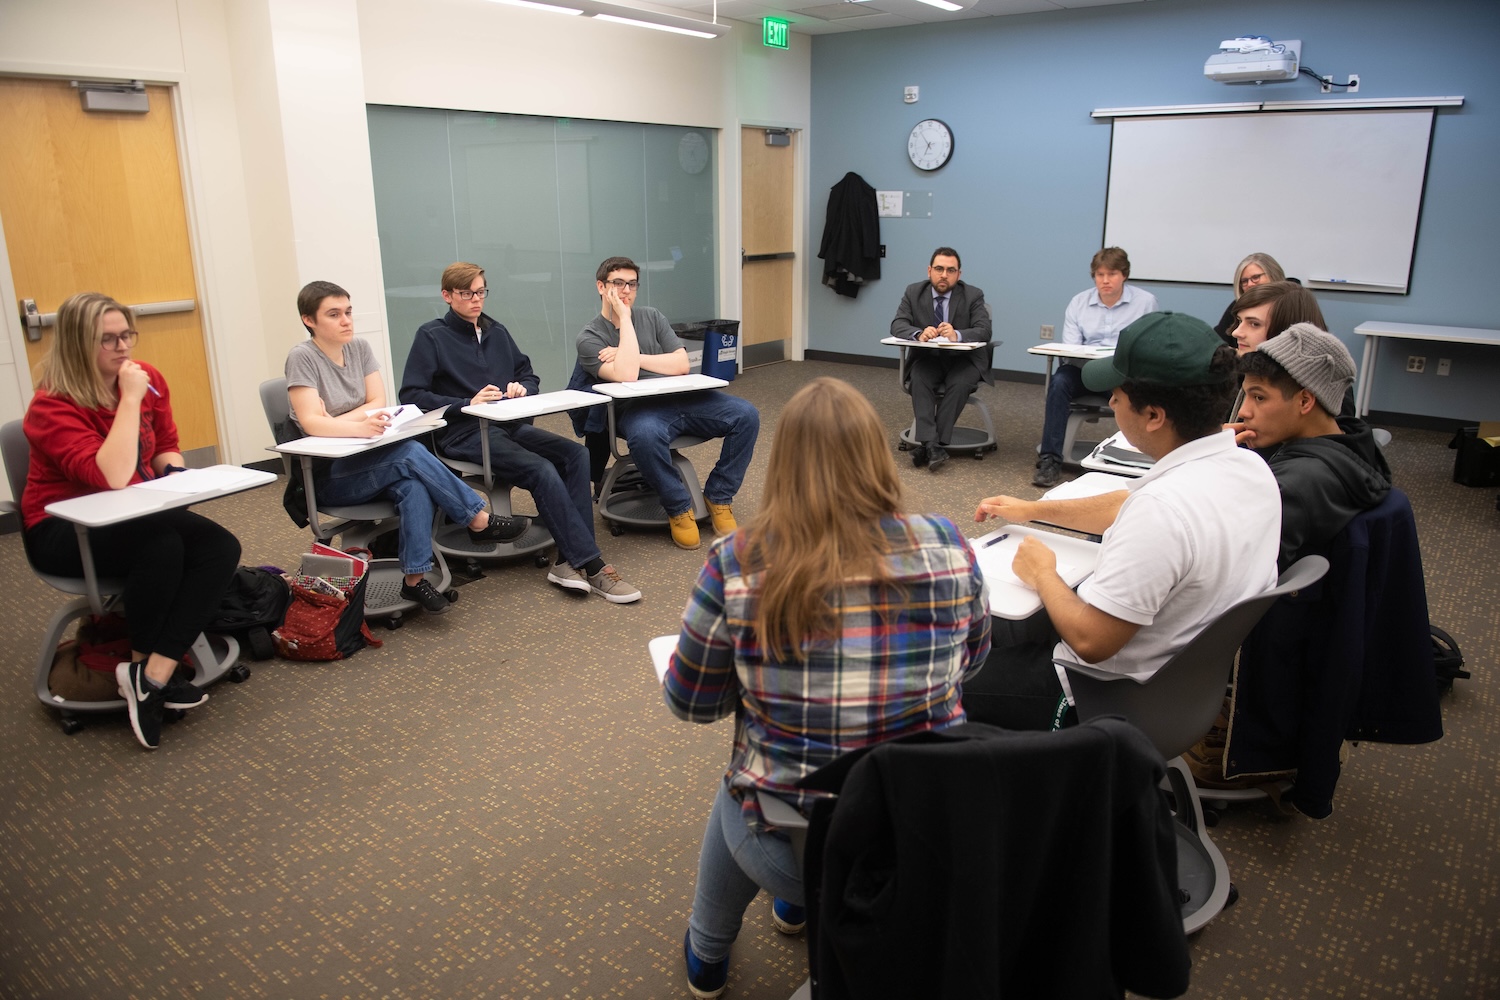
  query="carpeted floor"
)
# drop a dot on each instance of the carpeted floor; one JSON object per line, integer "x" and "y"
{"x": 497, "y": 804}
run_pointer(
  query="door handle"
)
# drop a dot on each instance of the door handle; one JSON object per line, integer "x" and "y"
{"x": 35, "y": 320}
{"x": 31, "y": 319}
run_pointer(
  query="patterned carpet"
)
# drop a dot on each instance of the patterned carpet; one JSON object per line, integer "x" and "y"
{"x": 497, "y": 804}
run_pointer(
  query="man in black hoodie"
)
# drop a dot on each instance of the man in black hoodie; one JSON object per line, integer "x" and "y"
{"x": 1327, "y": 467}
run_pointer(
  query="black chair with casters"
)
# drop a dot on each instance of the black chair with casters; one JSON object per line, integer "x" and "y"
{"x": 974, "y": 441}
{"x": 355, "y": 525}
{"x": 1174, "y": 707}
{"x": 213, "y": 656}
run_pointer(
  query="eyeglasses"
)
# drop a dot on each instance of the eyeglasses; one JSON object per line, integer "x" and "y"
{"x": 620, "y": 284}
{"x": 467, "y": 294}
{"x": 939, "y": 269}
{"x": 128, "y": 338}
{"x": 1252, "y": 279}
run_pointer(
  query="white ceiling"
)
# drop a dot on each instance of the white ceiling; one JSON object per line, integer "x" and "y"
{"x": 821, "y": 17}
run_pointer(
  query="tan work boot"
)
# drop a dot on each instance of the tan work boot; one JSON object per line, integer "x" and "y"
{"x": 685, "y": 530}
{"x": 723, "y": 517}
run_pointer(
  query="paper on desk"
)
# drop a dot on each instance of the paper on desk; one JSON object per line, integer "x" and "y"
{"x": 407, "y": 414}
{"x": 995, "y": 562}
{"x": 219, "y": 477}
{"x": 1090, "y": 484}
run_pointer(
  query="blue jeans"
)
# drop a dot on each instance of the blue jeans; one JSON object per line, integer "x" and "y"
{"x": 650, "y": 424}
{"x": 734, "y": 865}
{"x": 411, "y": 476}
{"x": 1067, "y": 382}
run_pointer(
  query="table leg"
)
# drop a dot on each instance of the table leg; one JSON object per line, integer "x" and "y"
{"x": 1367, "y": 360}
{"x": 484, "y": 451}
{"x": 1047, "y": 382}
{"x": 91, "y": 578}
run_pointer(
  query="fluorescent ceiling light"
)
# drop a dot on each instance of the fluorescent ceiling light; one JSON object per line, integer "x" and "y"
{"x": 553, "y": 8}
{"x": 657, "y": 27}
{"x": 943, "y": 5}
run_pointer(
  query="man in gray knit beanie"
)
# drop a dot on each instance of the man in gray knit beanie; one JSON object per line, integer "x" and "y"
{"x": 1327, "y": 467}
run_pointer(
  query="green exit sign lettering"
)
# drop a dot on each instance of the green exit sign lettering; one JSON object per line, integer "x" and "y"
{"x": 774, "y": 32}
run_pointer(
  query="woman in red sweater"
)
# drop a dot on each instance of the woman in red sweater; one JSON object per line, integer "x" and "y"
{"x": 101, "y": 421}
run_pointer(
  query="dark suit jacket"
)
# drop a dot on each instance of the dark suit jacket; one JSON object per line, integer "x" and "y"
{"x": 967, "y": 312}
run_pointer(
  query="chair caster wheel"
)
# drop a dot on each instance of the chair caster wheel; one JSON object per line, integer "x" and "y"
{"x": 1234, "y": 895}
{"x": 70, "y": 725}
{"x": 1210, "y": 817}
{"x": 452, "y": 596}
{"x": 393, "y": 623}
{"x": 979, "y": 456}
{"x": 473, "y": 570}
{"x": 541, "y": 562}
{"x": 239, "y": 673}
{"x": 616, "y": 530}
{"x": 903, "y": 446}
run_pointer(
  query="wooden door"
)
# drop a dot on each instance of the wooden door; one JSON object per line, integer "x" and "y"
{"x": 92, "y": 202}
{"x": 766, "y": 178}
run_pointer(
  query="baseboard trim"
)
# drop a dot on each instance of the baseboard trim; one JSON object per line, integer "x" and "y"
{"x": 1383, "y": 418}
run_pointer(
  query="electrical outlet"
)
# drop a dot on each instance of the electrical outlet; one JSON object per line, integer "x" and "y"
{"x": 1047, "y": 331}
{"x": 1327, "y": 83}
{"x": 1416, "y": 363}
{"x": 882, "y": 249}
{"x": 1445, "y": 366}
{"x": 1353, "y": 87}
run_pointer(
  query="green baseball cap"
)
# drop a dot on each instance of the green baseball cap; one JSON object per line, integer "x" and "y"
{"x": 1160, "y": 348}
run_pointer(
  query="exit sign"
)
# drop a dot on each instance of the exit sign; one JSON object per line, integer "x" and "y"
{"x": 774, "y": 32}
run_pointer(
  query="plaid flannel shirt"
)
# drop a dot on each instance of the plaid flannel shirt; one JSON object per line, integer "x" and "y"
{"x": 904, "y": 649}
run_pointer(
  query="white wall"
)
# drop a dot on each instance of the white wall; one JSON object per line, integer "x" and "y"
{"x": 276, "y": 154}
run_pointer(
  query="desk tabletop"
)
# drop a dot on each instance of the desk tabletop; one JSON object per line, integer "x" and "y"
{"x": 332, "y": 447}
{"x": 665, "y": 386}
{"x": 1071, "y": 350}
{"x": 1099, "y": 459}
{"x": 1009, "y": 597}
{"x": 946, "y": 345}
{"x": 96, "y": 510}
{"x": 1423, "y": 331}
{"x": 535, "y": 406}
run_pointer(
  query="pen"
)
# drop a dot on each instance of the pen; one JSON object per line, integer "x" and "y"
{"x": 995, "y": 541}
{"x": 153, "y": 390}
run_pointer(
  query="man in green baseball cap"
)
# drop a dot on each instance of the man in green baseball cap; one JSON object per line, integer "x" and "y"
{"x": 1196, "y": 534}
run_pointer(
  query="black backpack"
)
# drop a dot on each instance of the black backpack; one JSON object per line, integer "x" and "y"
{"x": 253, "y": 606}
{"x": 1447, "y": 660}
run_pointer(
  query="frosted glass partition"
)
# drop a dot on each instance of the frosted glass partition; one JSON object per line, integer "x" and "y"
{"x": 539, "y": 203}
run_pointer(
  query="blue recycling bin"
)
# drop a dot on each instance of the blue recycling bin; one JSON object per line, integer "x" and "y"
{"x": 721, "y": 345}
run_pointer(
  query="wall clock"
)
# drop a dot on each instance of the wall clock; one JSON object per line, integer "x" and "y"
{"x": 930, "y": 144}
{"x": 692, "y": 153}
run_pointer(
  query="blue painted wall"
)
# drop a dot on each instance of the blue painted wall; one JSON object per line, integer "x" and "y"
{"x": 1023, "y": 197}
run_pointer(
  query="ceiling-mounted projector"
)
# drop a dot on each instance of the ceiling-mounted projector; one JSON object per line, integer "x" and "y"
{"x": 1253, "y": 59}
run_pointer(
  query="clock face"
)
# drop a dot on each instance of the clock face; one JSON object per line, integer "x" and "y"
{"x": 692, "y": 152}
{"x": 930, "y": 144}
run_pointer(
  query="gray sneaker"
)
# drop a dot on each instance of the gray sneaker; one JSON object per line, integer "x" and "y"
{"x": 568, "y": 578}
{"x": 608, "y": 585}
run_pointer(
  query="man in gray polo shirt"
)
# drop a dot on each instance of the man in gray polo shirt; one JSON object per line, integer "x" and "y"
{"x": 626, "y": 343}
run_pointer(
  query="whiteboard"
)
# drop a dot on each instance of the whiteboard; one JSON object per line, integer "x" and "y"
{"x": 1334, "y": 196}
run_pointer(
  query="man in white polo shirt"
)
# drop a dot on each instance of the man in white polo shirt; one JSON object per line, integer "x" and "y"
{"x": 1181, "y": 544}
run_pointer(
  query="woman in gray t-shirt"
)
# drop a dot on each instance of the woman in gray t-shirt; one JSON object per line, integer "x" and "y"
{"x": 334, "y": 386}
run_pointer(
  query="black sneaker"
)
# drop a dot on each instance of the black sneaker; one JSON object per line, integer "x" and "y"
{"x": 181, "y": 694}
{"x": 1048, "y": 472}
{"x": 919, "y": 456}
{"x": 937, "y": 457}
{"x": 425, "y": 594}
{"x": 143, "y": 702}
{"x": 500, "y": 529}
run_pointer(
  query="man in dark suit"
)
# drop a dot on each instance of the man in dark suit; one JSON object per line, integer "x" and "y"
{"x": 942, "y": 307}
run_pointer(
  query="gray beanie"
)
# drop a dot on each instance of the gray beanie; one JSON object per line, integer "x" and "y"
{"x": 1318, "y": 361}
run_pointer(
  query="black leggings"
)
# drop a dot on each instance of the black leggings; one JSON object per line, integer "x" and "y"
{"x": 1018, "y": 686}
{"x": 176, "y": 566}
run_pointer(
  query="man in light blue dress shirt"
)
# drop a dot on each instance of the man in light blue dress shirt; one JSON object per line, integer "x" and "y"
{"x": 1094, "y": 318}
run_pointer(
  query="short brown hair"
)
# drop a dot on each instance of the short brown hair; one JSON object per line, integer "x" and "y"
{"x": 616, "y": 264}
{"x": 1290, "y": 304}
{"x": 1110, "y": 259}
{"x": 460, "y": 275}
{"x": 312, "y": 295}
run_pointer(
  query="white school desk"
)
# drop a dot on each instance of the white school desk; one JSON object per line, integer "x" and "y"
{"x": 665, "y": 386}
{"x": 1009, "y": 597}
{"x": 331, "y": 447}
{"x": 97, "y": 510}
{"x": 524, "y": 408}
{"x": 1098, "y": 461}
{"x": 1373, "y": 331}
{"x": 939, "y": 345}
{"x": 1078, "y": 352}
